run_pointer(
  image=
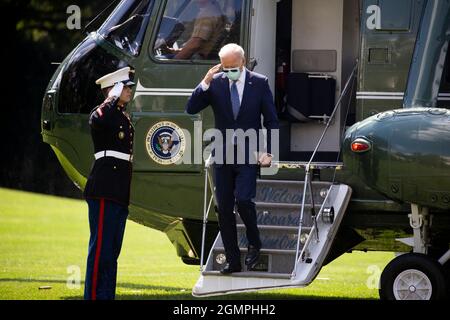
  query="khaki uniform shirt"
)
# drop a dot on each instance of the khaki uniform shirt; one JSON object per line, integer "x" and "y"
{"x": 209, "y": 26}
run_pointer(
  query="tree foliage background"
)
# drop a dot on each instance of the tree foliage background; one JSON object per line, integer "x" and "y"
{"x": 34, "y": 34}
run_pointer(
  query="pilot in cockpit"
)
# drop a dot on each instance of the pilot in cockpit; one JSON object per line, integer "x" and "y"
{"x": 206, "y": 36}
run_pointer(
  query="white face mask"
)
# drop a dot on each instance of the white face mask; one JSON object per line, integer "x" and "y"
{"x": 232, "y": 73}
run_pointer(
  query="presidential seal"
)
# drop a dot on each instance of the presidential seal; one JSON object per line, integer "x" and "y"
{"x": 165, "y": 142}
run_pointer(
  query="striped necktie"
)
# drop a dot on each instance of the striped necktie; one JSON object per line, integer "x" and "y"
{"x": 235, "y": 102}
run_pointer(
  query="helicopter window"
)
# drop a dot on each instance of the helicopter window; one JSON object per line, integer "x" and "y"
{"x": 127, "y": 25}
{"x": 78, "y": 91}
{"x": 197, "y": 29}
{"x": 395, "y": 15}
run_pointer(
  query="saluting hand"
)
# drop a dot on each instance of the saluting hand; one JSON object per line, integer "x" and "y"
{"x": 116, "y": 91}
{"x": 209, "y": 76}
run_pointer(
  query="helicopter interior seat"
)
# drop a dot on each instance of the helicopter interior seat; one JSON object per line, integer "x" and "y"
{"x": 311, "y": 90}
{"x": 171, "y": 30}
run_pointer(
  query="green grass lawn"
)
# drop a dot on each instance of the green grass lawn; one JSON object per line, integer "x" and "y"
{"x": 44, "y": 239}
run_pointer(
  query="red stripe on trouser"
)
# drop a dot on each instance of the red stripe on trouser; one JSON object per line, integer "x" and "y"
{"x": 98, "y": 249}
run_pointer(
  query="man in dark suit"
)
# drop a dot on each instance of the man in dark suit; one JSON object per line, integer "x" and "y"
{"x": 238, "y": 97}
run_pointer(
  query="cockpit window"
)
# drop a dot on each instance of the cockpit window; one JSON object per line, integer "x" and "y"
{"x": 127, "y": 25}
{"x": 197, "y": 29}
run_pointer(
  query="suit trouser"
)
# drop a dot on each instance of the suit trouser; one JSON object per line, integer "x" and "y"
{"x": 107, "y": 222}
{"x": 236, "y": 184}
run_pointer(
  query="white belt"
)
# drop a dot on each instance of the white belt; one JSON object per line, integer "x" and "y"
{"x": 114, "y": 154}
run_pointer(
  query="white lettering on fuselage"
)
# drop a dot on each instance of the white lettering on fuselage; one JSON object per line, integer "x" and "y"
{"x": 374, "y": 20}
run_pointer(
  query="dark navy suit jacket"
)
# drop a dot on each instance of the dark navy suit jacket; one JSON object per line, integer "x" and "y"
{"x": 257, "y": 100}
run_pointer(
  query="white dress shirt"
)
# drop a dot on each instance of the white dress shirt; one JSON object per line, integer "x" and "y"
{"x": 240, "y": 84}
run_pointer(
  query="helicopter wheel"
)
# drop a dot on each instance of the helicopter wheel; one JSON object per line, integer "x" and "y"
{"x": 413, "y": 276}
{"x": 447, "y": 276}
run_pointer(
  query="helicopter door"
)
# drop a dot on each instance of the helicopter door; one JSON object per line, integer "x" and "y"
{"x": 316, "y": 51}
{"x": 263, "y": 38}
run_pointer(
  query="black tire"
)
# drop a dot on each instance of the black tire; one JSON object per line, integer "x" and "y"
{"x": 447, "y": 276}
{"x": 416, "y": 262}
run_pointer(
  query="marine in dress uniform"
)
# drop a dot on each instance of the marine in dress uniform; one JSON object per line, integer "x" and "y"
{"x": 107, "y": 191}
{"x": 238, "y": 97}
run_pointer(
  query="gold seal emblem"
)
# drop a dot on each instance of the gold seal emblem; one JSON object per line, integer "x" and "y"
{"x": 121, "y": 135}
{"x": 165, "y": 143}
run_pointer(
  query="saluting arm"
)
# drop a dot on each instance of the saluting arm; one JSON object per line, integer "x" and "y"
{"x": 200, "y": 98}
{"x": 198, "y": 101}
{"x": 98, "y": 118}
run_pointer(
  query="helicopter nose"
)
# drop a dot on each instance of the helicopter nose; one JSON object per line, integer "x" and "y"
{"x": 403, "y": 154}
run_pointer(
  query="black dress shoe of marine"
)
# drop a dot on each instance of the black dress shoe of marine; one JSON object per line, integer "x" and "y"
{"x": 251, "y": 260}
{"x": 228, "y": 269}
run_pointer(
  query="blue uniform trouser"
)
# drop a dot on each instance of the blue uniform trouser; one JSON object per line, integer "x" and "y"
{"x": 236, "y": 185}
{"x": 107, "y": 221}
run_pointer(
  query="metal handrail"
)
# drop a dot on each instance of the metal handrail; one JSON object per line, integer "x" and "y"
{"x": 314, "y": 228}
{"x": 338, "y": 103}
{"x": 308, "y": 182}
{"x": 297, "y": 164}
{"x": 206, "y": 208}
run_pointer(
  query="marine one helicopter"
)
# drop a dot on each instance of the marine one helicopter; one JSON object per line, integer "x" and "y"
{"x": 362, "y": 89}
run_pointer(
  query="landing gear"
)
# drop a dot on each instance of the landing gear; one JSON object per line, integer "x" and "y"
{"x": 413, "y": 276}
{"x": 417, "y": 275}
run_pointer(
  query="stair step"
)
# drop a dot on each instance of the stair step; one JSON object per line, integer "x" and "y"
{"x": 250, "y": 274}
{"x": 303, "y": 164}
{"x": 293, "y": 182}
{"x": 262, "y": 251}
{"x": 277, "y": 228}
{"x": 271, "y": 260}
{"x": 285, "y": 191}
{"x": 281, "y": 205}
{"x": 274, "y": 237}
{"x": 280, "y": 239}
{"x": 281, "y": 214}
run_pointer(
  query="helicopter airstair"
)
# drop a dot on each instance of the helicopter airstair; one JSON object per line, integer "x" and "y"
{"x": 296, "y": 237}
{"x": 297, "y": 220}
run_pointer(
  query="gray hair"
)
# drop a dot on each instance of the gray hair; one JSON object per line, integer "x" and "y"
{"x": 232, "y": 48}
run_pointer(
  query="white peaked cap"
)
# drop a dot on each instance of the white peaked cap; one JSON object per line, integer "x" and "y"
{"x": 121, "y": 75}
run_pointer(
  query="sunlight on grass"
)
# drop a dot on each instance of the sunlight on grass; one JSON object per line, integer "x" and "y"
{"x": 43, "y": 239}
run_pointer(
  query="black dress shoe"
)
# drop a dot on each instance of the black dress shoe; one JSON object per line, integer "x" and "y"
{"x": 251, "y": 260}
{"x": 230, "y": 269}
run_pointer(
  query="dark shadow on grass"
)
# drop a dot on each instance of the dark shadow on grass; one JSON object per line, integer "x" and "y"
{"x": 179, "y": 293}
{"x": 238, "y": 296}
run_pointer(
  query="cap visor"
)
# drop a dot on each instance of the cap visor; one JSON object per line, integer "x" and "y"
{"x": 129, "y": 83}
